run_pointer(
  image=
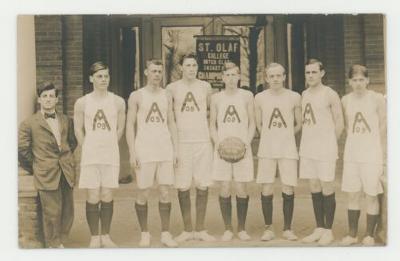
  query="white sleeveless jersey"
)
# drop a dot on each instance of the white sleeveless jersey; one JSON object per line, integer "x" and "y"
{"x": 318, "y": 139}
{"x": 363, "y": 142}
{"x": 153, "y": 139}
{"x": 100, "y": 145}
{"x": 232, "y": 116}
{"x": 277, "y": 138}
{"x": 190, "y": 107}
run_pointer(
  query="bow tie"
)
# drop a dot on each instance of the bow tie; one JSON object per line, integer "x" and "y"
{"x": 49, "y": 115}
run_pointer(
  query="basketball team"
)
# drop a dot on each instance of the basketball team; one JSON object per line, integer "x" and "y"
{"x": 173, "y": 134}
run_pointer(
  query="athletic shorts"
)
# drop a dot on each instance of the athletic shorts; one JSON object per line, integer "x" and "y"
{"x": 287, "y": 170}
{"x": 242, "y": 171}
{"x": 99, "y": 175}
{"x": 163, "y": 171}
{"x": 194, "y": 165}
{"x": 316, "y": 169}
{"x": 362, "y": 177}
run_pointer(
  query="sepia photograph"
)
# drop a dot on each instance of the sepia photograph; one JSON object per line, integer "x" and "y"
{"x": 201, "y": 130}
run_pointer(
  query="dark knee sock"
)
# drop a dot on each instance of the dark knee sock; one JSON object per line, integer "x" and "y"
{"x": 165, "y": 211}
{"x": 379, "y": 224}
{"x": 317, "y": 200}
{"x": 185, "y": 205}
{"x": 267, "y": 208}
{"x": 288, "y": 206}
{"x": 141, "y": 212}
{"x": 106, "y": 213}
{"x": 329, "y": 209}
{"x": 225, "y": 205}
{"x": 93, "y": 217}
{"x": 353, "y": 215}
{"x": 241, "y": 207}
{"x": 201, "y": 207}
{"x": 371, "y": 224}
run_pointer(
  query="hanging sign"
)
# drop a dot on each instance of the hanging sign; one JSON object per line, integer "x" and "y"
{"x": 212, "y": 52}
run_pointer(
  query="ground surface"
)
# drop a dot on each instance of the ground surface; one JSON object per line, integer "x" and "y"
{"x": 125, "y": 229}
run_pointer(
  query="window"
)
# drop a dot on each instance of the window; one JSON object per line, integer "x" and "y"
{"x": 130, "y": 60}
{"x": 252, "y": 54}
{"x": 177, "y": 41}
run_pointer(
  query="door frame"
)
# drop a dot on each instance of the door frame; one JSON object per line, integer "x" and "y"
{"x": 118, "y": 22}
{"x": 212, "y": 25}
{"x": 150, "y": 34}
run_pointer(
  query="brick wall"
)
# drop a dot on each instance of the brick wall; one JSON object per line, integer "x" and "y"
{"x": 364, "y": 44}
{"x": 374, "y": 51}
{"x": 48, "y": 34}
{"x": 59, "y": 56}
{"x": 353, "y": 42}
{"x": 73, "y": 61}
{"x": 30, "y": 233}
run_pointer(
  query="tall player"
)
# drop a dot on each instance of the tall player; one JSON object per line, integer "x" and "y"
{"x": 151, "y": 149}
{"x": 365, "y": 119}
{"x": 232, "y": 115}
{"x": 322, "y": 127}
{"x": 191, "y": 98}
{"x": 99, "y": 119}
{"x": 278, "y": 117}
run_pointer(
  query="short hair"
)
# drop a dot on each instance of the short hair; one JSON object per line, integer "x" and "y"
{"x": 358, "y": 69}
{"x": 315, "y": 61}
{"x": 153, "y": 61}
{"x": 274, "y": 65}
{"x": 97, "y": 66}
{"x": 230, "y": 65}
{"x": 46, "y": 86}
{"x": 190, "y": 55}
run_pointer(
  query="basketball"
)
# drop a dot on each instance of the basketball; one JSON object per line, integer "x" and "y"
{"x": 232, "y": 149}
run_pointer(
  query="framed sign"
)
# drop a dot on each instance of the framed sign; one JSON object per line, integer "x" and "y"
{"x": 212, "y": 52}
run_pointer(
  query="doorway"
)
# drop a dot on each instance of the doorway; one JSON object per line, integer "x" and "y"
{"x": 174, "y": 36}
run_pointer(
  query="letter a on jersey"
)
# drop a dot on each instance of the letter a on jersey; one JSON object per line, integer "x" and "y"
{"x": 276, "y": 114}
{"x": 231, "y": 114}
{"x": 154, "y": 118}
{"x": 189, "y": 103}
{"x": 308, "y": 113}
{"x": 359, "y": 118}
{"x": 100, "y": 121}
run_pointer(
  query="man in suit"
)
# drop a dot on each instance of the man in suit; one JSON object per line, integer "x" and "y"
{"x": 46, "y": 142}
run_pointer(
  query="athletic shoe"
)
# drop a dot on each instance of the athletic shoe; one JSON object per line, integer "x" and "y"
{"x": 348, "y": 241}
{"x": 227, "y": 236}
{"x": 95, "y": 242}
{"x": 315, "y": 236}
{"x": 107, "y": 242}
{"x": 184, "y": 236}
{"x": 145, "y": 239}
{"x": 64, "y": 238}
{"x": 203, "y": 236}
{"x": 125, "y": 180}
{"x": 326, "y": 238}
{"x": 244, "y": 236}
{"x": 167, "y": 239}
{"x": 289, "y": 235}
{"x": 368, "y": 241}
{"x": 268, "y": 235}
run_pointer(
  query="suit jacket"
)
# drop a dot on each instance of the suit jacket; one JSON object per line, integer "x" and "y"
{"x": 38, "y": 151}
